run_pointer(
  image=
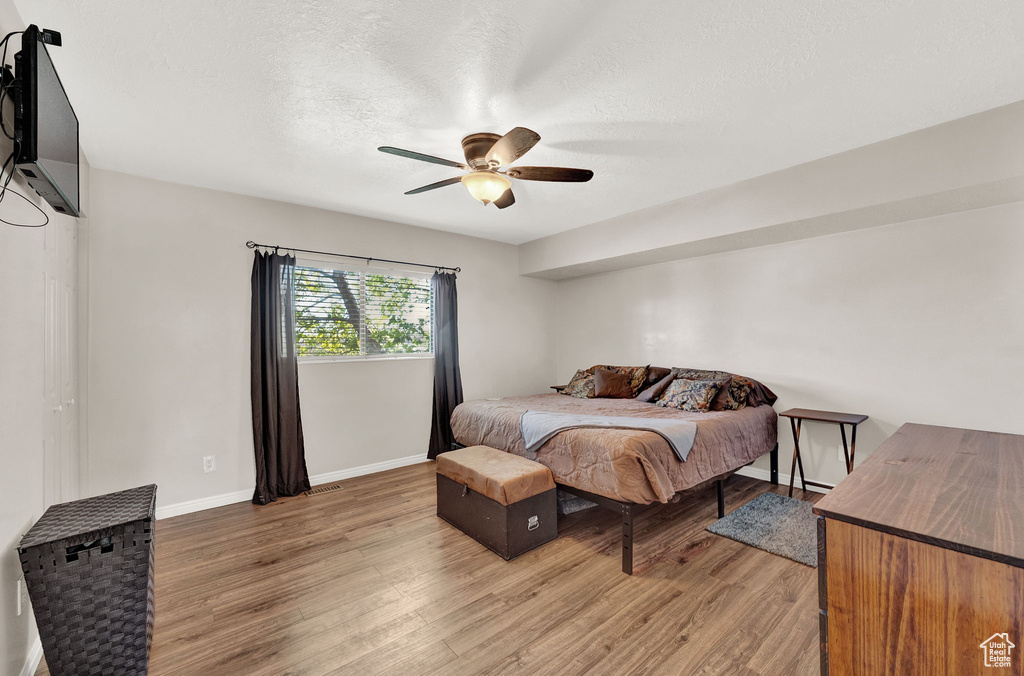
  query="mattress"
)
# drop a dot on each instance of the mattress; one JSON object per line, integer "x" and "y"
{"x": 628, "y": 465}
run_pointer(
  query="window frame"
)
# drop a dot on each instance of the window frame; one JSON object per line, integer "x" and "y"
{"x": 313, "y": 262}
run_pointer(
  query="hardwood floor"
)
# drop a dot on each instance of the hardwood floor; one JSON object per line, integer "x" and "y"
{"x": 366, "y": 580}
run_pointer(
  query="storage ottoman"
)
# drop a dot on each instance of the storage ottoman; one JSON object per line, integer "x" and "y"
{"x": 503, "y": 501}
{"x": 88, "y": 566}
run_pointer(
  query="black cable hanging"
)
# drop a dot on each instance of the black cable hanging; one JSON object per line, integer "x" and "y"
{"x": 11, "y": 159}
{"x": 253, "y": 245}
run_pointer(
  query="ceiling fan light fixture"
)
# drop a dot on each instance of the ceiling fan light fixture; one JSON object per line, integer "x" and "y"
{"x": 486, "y": 186}
{"x": 486, "y": 154}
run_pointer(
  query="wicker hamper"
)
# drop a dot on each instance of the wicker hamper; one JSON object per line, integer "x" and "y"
{"x": 88, "y": 566}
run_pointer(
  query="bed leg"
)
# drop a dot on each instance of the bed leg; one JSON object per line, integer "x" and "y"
{"x": 774, "y": 459}
{"x": 627, "y": 539}
{"x": 720, "y": 489}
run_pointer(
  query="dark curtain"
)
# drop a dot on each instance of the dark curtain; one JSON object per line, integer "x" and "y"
{"x": 276, "y": 421}
{"x": 447, "y": 378}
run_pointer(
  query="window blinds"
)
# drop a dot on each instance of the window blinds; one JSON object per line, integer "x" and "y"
{"x": 353, "y": 313}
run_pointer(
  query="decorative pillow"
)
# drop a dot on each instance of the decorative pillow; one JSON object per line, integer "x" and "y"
{"x": 740, "y": 392}
{"x": 759, "y": 394}
{"x": 732, "y": 396}
{"x": 695, "y": 396}
{"x": 656, "y": 373}
{"x": 637, "y": 375}
{"x": 654, "y": 391}
{"x": 580, "y": 386}
{"x": 612, "y": 384}
{"x": 701, "y": 374}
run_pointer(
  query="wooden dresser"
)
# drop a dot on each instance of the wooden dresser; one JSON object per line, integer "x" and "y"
{"x": 921, "y": 557}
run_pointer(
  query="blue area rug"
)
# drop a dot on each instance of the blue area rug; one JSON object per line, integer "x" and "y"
{"x": 776, "y": 524}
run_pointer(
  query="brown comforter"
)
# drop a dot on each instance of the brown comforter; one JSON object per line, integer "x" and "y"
{"x": 627, "y": 465}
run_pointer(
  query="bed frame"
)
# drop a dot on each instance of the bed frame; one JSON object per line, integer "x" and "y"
{"x": 629, "y": 510}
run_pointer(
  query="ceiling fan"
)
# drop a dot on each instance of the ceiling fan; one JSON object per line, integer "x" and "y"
{"x": 486, "y": 154}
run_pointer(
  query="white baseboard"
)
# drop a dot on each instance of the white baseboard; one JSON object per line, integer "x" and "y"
{"x": 765, "y": 475}
{"x": 198, "y": 505}
{"x": 35, "y": 655}
{"x": 372, "y": 468}
{"x": 189, "y": 506}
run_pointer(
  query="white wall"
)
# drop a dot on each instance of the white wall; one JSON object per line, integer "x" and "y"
{"x": 22, "y": 480}
{"x": 21, "y": 417}
{"x": 168, "y": 344}
{"x": 914, "y": 322}
{"x": 961, "y": 165}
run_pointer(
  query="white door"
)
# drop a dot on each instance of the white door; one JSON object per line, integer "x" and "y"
{"x": 68, "y": 247}
{"x": 52, "y": 402}
{"x": 60, "y": 362}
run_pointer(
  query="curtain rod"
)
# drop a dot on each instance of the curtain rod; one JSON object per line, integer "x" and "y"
{"x": 253, "y": 245}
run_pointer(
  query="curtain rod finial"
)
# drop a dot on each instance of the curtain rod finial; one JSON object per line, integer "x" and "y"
{"x": 251, "y": 244}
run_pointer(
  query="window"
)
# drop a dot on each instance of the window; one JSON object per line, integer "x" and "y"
{"x": 361, "y": 313}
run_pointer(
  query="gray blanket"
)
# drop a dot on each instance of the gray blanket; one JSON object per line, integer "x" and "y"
{"x": 539, "y": 426}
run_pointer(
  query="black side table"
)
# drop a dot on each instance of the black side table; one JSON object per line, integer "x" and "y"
{"x": 798, "y": 415}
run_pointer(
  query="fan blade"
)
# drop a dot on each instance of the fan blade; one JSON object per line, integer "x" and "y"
{"x": 421, "y": 157}
{"x": 507, "y": 199}
{"x": 432, "y": 186}
{"x": 551, "y": 174}
{"x": 512, "y": 146}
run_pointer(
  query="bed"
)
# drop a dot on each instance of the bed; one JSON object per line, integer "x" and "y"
{"x": 619, "y": 469}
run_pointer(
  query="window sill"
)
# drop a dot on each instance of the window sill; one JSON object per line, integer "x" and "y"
{"x": 361, "y": 359}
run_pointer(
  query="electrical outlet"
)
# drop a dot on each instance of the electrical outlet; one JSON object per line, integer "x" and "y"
{"x": 209, "y": 464}
{"x": 22, "y": 595}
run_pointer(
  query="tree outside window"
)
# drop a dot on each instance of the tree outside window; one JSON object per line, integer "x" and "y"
{"x": 345, "y": 313}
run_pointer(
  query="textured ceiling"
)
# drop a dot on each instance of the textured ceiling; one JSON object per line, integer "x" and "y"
{"x": 289, "y": 100}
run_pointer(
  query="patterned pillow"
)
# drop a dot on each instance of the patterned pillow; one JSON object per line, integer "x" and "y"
{"x": 580, "y": 386}
{"x": 759, "y": 394}
{"x": 637, "y": 374}
{"x": 730, "y": 398}
{"x": 695, "y": 396}
{"x": 700, "y": 374}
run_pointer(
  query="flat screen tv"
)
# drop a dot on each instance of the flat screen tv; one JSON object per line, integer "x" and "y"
{"x": 45, "y": 126}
